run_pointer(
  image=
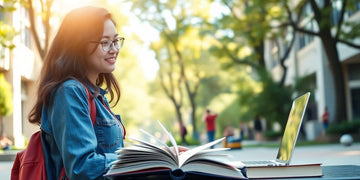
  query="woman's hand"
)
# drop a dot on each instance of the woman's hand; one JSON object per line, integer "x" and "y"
{"x": 181, "y": 149}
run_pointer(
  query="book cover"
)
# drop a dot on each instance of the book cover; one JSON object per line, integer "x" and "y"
{"x": 153, "y": 158}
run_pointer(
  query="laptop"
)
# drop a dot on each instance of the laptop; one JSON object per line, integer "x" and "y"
{"x": 290, "y": 135}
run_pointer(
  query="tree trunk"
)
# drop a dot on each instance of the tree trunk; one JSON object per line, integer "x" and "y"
{"x": 180, "y": 121}
{"x": 193, "y": 118}
{"x": 336, "y": 69}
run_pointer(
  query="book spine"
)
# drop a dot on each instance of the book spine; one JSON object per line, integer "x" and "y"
{"x": 177, "y": 174}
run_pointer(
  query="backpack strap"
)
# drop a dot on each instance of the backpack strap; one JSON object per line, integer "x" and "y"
{"x": 91, "y": 106}
{"x": 92, "y": 109}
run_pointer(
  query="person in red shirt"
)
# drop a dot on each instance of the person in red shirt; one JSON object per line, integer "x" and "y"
{"x": 325, "y": 119}
{"x": 209, "y": 119}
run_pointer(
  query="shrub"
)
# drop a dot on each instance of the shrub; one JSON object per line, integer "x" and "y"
{"x": 273, "y": 134}
{"x": 344, "y": 127}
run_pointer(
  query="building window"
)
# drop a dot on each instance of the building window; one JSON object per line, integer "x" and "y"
{"x": 274, "y": 55}
{"x": 337, "y": 5}
{"x": 27, "y": 37}
{"x": 25, "y": 26}
{"x": 355, "y": 102}
{"x": 305, "y": 39}
{"x": 354, "y": 72}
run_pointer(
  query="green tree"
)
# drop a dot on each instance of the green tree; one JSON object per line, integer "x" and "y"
{"x": 6, "y": 105}
{"x": 243, "y": 31}
{"x": 179, "y": 67}
{"x": 171, "y": 81}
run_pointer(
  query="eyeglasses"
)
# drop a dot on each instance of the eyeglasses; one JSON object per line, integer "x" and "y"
{"x": 107, "y": 45}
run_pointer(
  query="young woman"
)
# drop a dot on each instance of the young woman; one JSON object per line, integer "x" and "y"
{"x": 83, "y": 54}
{"x": 81, "y": 58}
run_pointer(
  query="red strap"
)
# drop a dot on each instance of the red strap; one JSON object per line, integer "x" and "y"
{"x": 91, "y": 106}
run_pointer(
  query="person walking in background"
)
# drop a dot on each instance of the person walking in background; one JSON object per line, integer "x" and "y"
{"x": 228, "y": 131}
{"x": 5, "y": 142}
{"x": 209, "y": 119}
{"x": 258, "y": 128}
{"x": 241, "y": 130}
{"x": 183, "y": 133}
{"x": 325, "y": 120}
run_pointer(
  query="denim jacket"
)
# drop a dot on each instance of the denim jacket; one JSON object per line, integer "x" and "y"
{"x": 69, "y": 138}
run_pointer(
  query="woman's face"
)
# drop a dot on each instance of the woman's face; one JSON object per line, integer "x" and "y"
{"x": 103, "y": 61}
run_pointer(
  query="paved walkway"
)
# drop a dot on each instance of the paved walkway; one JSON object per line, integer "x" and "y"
{"x": 332, "y": 154}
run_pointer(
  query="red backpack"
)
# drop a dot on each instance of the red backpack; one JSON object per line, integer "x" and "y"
{"x": 30, "y": 164}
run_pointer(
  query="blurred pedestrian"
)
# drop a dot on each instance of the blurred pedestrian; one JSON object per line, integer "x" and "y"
{"x": 325, "y": 120}
{"x": 258, "y": 128}
{"x": 241, "y": 130}
{"x": 209, "y": 119}
{"x": 228, "y": 131}
{"x": 183, "y": 133}
{"x": 5, "y": 142}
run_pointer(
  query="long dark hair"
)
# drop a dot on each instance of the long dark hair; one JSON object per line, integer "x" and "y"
{"x": 67, "y": 56}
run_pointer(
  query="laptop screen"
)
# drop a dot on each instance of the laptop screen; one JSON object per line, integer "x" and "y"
{"x": 292, "y": 128}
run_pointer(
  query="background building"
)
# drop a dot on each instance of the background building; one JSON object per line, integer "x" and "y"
{"x": 308, "y": 59}
{"x": 21, "y": 68}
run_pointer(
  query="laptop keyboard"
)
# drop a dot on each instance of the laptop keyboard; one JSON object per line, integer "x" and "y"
{"x": 262, "y": 162}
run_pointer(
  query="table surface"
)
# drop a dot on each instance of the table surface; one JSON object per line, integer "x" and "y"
{"x": 339, "y": 172}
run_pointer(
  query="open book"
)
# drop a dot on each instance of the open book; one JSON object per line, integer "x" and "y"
{"x": 153, "y": 156}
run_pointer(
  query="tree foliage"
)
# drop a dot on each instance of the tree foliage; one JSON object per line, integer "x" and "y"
{"x": 179, "y": 49}
{"x": 247, "y": 25}
{"x": 6, "y": 105}
{"x": 7, "y": 32}
{"x": 5, "y": 97}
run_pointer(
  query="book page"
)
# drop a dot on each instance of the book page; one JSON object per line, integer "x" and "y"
{"x": 172, "y": 140}
{"x": 138, "y": 166}
{"x": 237, "y": 164}
{"x": 151, "y": 147}
{"x": 143, "y": 153}
{"x": 191, "y": 152}
{"x": 166, "y": 147}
